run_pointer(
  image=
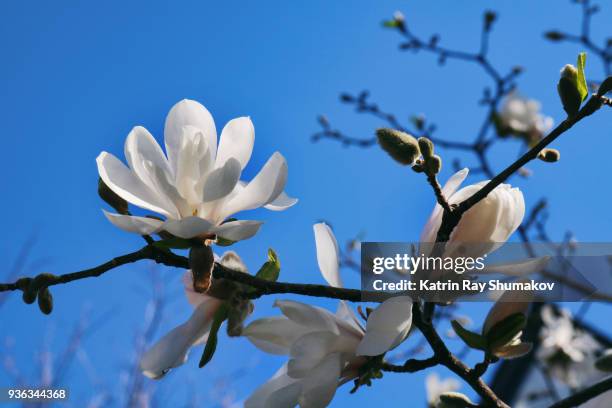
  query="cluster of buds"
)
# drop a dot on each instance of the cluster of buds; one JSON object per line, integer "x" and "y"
{"x": 38, "y": 288}
{"x": 409, "y": 151}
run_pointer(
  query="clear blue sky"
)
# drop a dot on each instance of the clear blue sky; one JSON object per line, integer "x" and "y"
{"x": 77, "y": 76}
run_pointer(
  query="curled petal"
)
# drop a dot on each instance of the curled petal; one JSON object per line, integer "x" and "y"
{"x": 172, "y": 350}
{"x": 131, "y": 223}
{"x": 387, "y": 326}
{"x": 328, "y": 254}
{"x": 236, "y": 141}
{"x": 282, "y": 202}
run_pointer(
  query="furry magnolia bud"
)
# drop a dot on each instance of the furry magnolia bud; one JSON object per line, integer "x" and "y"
{"x": 111, "y": 198}
{"x": 201, "y": 263}
{"x": 402, "y": 147}
{"x": 568, "y": 90}
{"x": 45, "y": 301}
{"x": 549, "y": 155}
{"x": 426, "y": 146}
{"x": 433, "y": 164}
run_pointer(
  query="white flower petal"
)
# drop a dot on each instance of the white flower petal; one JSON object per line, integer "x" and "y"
{"x": 172, "y": 350}
{"x": 237, "y": 230}
{"x": 263, "y": 189}
{"x": 282, "y": 202}
{"x": 194, "y": 298}
{"x": 221, "y": 181}
{"x": 187, "y": 113}
{"x": 188, "y": 227}
{"x": 130, "y": 223}
{"x": 328, "y": 254}
{"x": 128, "y": 186}
{"x": 308, "y": 351}
{"x": 193, "y": 164}
{"x": 274, "y": 335}
{"x": 387, "y": 326}
{"x": 319, "y": 388}
{"x": 311, "y": 317}
{"x": 346, "y": 314}
{"x": 140, "y": 148}
{"x": 279, "y": 381}
{"x": 236, "y": 141}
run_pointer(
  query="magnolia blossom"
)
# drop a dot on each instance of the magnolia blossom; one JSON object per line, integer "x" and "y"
{"x": 325, "y": 350}
{"x": 197, "y": 186}
{"x": 503, "y": 308}
{"x": 522, "y": 115}
{"x": 485, "y": 226}
{"x": 568, "y": 352}
{"x": 172, "y": 350}
{"x": 435, "y": 387}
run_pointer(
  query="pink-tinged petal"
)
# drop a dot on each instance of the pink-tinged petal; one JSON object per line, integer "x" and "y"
{"x": 188, "y": 227}
{"x": 346, "y": 314}
{"x": 236, "y": 141}
{"x": 263, "y": 189}
{"x": 282, "y": 202}
{"x": 237, "y": 230}
{"x": 130, "y": 223}
{"x": 172, "y": 350}
{"x": 128, "y": 186}
{"x": 194, "y": 298}
{"x": 311, "y": 317}
{"x": 387, "y": 326}
{"x": 188, "y": 113}
{"x": 280, "y": 391}
{"x": 328, "y": 254}
{"x": 274, "y": 335}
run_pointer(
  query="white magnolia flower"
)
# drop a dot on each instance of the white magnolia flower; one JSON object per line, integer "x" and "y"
{"x": 435, "y": 387}
{"x": 486, "y": 225}
{"x": 503, "y": 308}
{"x": 568, "y": 352}
{"x": 522, "y": 115}
{"x": 197, "y": 186}
{"x": 172, "y": 350}
{"x": 325, "y": 350}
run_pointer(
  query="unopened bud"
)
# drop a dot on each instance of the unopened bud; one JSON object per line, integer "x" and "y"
{"x": 23, "y": 283}
{"x": 239, "y": 311}
{"x": 433, "y": 164}
{"x": 568, "y": 90}
{"x": 400, "y": 145}
{"x": 454, "y": 400}
{"x": 604, "y": 363}
{"x": 111, "y": 198}
{"x": 549, "y": 155}
{"x": 29, "y": 295}
{"x": 201, "y": 263}
{"x": 426, "y": 146}
{"x": 554, "y": 36}
{"x": 45, "y": 301}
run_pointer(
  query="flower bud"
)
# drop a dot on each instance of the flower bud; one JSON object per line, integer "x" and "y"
{"x": 554, "y": 36}
{"x": 604, "y": 363}
{"x": 402, "y": 147}
{"x": 111, "y": 198}
{"x": 426, "y": 146}
{"x": 45, "y": 301}
{"x": 568, "y": 90}
{"x": 29, "y": 295}
{"x": 549, "y": 155}
{"x": 201, "y": 263}
{"x": 453, "y": 399}
{"x": 433, "y": 165}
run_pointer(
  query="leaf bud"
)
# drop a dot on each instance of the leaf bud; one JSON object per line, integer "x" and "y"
{"x": 549, "y": 155}
{"x": 426, "y": 146}
{"x": 45, "y": 301}
{"x": 402, "y": 147}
